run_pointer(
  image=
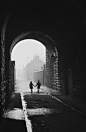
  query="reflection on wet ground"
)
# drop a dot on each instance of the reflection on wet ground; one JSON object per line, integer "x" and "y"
{"x": 18, "y": 114}
{"x": 14, "y": 114}
{"x": 39, "y": 113}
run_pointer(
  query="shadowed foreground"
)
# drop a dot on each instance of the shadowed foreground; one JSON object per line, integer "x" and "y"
{"x": 39, "y": 113}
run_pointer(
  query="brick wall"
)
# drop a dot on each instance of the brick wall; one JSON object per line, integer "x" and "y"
{"x": 53, "y": 79}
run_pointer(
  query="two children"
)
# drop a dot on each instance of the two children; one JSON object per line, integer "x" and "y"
{"x": 38, "y": 86}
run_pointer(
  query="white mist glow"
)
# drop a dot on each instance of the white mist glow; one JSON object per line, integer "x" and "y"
{"x": 24, "y": 51}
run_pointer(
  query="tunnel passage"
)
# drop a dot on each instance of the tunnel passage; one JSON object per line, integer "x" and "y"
{"x": 68, "y": 33}
{"x": 55, "y": 75}
{"x": 60, "y": 65}
{"x": 52, "y": 79}
{"x": 51, "y": 56}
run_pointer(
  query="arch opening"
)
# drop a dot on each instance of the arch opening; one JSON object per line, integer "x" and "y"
{"x": 51, "y": 65}
{"x": 29, "y": 56}
{"x": 47, "y": 41}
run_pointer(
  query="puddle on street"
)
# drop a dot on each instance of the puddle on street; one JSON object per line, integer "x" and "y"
{"x": 39, "y": 111}
{"x": 43, "y": 111}
{"x": 18, "y": 114}
{"x": 14, "y": 114}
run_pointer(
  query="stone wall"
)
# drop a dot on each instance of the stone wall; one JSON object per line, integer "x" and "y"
{"x": 53, "y": 79}
{"x": 3, "y": 76}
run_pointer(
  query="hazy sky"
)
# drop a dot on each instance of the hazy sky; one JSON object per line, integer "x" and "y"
{"x": 27, "y": 48}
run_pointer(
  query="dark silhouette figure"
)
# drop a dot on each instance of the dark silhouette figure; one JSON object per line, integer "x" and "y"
{"x": 38, "y": 85}
{"x": 31, "y": 86}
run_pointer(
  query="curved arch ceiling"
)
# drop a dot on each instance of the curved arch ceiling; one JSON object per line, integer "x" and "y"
{"x": 48, "y": 42}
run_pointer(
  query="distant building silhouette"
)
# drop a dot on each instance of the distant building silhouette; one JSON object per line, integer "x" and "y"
{"x": 40, "y": 75}
{"x": 35, "y": 65}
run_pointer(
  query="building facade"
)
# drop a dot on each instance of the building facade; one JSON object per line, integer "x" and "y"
{"x": 40, "y": 75}
{"x": 35, "y": 65}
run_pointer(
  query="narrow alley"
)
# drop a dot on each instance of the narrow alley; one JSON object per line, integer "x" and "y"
{"x": 39, "y": 112}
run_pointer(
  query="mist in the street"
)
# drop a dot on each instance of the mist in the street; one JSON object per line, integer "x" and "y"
{"x": 26, "y": 52}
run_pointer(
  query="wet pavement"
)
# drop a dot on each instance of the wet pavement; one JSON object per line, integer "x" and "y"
{"x": 39, "y": 112}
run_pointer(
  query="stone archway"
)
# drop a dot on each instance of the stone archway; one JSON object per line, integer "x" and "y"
{"x": 47, "y": 41}
{"x": 51, "y": 54}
